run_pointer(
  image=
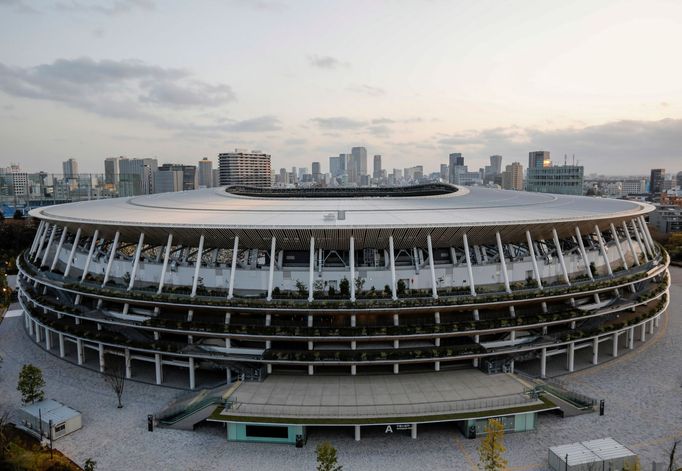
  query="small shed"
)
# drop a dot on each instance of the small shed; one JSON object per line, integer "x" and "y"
{"x": 38, "y": 417}
{"x": 604, "y": 453}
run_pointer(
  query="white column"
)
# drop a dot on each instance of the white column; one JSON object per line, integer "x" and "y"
{"x": 434, "y": 288}
{"x": 357, "y": 433}
{"x": 561, "y": 256}
{"x": 352, "y": 268}
{"x": 614, "y": 352}
{"x": 603, "y": 250}
{"x": 621, "y": 254}
{"x": 49, "y": 244}
{"x": 59, "y": 248}
{"x": 543, "y": 363}
{"x": 643, "y": 333}
{"x": 631, "y": 337}
{"x": 651, "y": 327}
{"x": 36, "y": 239}
{"x": 42, "y": 241}
{"x": 642, "y": 247}
{"x": 166, "y": 256}
{"x": 414, "y": 431}
{"x": 392, "y": 261}
{"x": 128, "y": 365}
{"x": 158, "y": 368}
{"x": 630, "y": 245}
{"x": 595, "y": 350}
{"x": 48, "y": 342}
{"x": 235, "y": 248}
{"x": 503, "y": 262}
{"x": 79, "y": 351}
{"x": 76, "y": 239}
{"x": 100, "y": 349}
{"x": 90, "y": 253}
{"x": 583, "y": 253}
{"x": 531, "y": 250}
{"x": 467, "y": 255}
{"x": 647, "y": 236}
{"x": 571, "y": 356}
{"x": 197, "y": 266}
{"x": 112, "y": 255}
{"x": 192, "y": 382}
{"x": 136, "y": 261}
{"x": 61, "y": 345}
{"x": 272, "y": 267}
{"x": 311, "y": 269}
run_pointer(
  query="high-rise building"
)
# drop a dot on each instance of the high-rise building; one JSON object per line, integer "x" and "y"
{"x": 335, "y": 166}
{"x": 136, "y": 176}
{"x": 216, "y": 177}
{"x": 377, "y": 167}
{"x": 496, "y": 164}
{"x": 444, "y": 172}
{"x": 455, "y": 160}
{"x": 189, "y": 175}
{"x": 168, "y": 179}
{"x": 562, "y": 179}
{"x": 512, "y": 177}
{"x": 242, "y": 167}
{"x": 111, "y": 171}
{"x": 539, "y": 159}
{"x": 70, "y": 168}
{"x": 205, "y": 173}
{"x": 358, "y": 164}
{"x": 656, "y": 180}
{"x": 317, "y": 172}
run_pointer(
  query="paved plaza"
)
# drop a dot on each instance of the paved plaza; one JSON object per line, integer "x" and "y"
{"x": 642, "y": 389}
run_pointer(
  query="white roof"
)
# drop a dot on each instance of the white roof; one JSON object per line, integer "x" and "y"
{"x": 50, "y": 409}
{"x": 216, "y": 208}
{"x": 603, "y": 449}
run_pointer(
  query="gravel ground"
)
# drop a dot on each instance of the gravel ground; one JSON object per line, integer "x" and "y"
{"x": 642, "y": 389}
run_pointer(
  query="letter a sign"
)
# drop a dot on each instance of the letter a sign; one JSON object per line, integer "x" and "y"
{"x": 389, "y": 429}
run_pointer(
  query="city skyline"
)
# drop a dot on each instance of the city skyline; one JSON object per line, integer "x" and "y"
{"x": 407, "y": 85}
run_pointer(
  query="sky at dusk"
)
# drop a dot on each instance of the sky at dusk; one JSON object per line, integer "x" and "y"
{"x": 304, "y": 80}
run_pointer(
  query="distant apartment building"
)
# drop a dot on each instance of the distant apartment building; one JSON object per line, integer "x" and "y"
{"x": 70, "y": 168}
{"x": 455, "y": 166}
{"x": 492, "y": 172}
{"x": 562, "y": 179}
{"x": 656, "y": 181}
{"x": 666, "y": 218}
{"x": 205, "y": 173}
{"x": 444, "y": 172}
{"x": 317, "y": 172}
{"x": 539, "y": 159}
{"x": 356, "y": 165}
{"x": 377, "y": 167}
{"x": 242, "y": 167}
{"x": 111, "y": 171}
{"x": 512, "y": 177}
{"x": 168, "y": 180}
{"x": 633, "y": 187}
{"x": 189, "y": 175}
{"x": 136, "y": 176}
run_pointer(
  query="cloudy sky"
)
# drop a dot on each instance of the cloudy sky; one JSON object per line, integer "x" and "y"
{"x": 303, "y": 80}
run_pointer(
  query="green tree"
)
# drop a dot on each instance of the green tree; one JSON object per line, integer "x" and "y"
{"x": 89, "y": 465}
{"x": 401, "y": 287}
{"x": 31, "y": 384}
{"x": 326, "y": 457}
{"x": 492, "y": 447}
{"x": 344, "y": 287}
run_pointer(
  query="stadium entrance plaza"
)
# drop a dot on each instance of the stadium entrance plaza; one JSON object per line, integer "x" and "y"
{"x": 642, "y": 389}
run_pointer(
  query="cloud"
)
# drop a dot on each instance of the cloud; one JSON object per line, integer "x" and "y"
{"x": 608, "y": 148}
{"x": 109, "y": 8}
{"x": 112, "y": 88}
{"x": 339, "y": 122}
{"x": 260, "y": 124}
{"x": 367, "y": 90}
{"x": 260, "y": 5}
{"x": 325, "y": 62}
{"x": 18, "y": 6}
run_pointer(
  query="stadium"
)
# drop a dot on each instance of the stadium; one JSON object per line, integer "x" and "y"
{"x": 359, "y": 307}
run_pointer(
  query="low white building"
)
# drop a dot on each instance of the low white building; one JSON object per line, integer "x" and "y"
{"x": 42, "y": 416}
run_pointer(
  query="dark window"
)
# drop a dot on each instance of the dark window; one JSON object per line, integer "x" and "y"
{"x": 59, "y": 428}
{"x": 265, "y": 431}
